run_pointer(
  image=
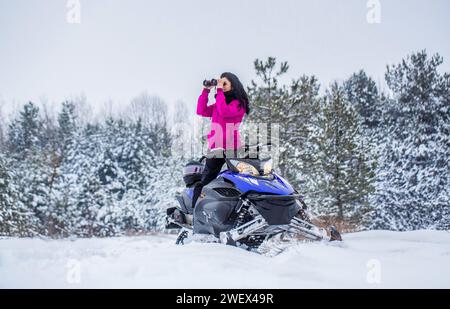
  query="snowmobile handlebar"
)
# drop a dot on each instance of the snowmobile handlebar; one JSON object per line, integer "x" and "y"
{"x": 257, "y": 146}
{"x": 223, "y": 153}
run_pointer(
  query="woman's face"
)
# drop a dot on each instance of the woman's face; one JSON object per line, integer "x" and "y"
{"x": 226, "y": 84}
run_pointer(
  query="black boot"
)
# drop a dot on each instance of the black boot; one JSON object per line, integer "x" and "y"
{"x": 197, "y": 190}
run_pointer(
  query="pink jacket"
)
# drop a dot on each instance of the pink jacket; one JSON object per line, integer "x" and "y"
{"x": 225, "y": 122}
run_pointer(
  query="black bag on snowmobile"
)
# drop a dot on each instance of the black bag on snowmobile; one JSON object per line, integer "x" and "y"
{"x": 192, "y": 173}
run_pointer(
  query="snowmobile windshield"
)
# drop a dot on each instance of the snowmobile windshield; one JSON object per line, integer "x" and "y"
{"x": 252, "y": 167}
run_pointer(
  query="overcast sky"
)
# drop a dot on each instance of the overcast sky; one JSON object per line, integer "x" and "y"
{"x": 167, "y": 48}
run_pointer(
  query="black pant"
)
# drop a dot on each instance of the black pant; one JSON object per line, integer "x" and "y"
{"x": 212, "y": 169}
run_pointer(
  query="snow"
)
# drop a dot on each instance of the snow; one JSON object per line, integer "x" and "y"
{"x": 373, "y": 259}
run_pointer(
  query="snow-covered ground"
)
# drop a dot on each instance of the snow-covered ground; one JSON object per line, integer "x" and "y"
{"x": 376, "y": 259}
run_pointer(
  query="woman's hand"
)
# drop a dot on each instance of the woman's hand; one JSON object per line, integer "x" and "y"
{"x": 220, "y": 83}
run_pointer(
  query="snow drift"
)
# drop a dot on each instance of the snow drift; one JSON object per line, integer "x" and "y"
{"x": 375, "y": 259}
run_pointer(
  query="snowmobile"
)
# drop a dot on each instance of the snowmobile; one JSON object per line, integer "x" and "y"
{"x": 246, "y": 205}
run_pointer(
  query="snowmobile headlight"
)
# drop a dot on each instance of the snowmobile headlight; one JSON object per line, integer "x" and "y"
{"x": 267, "y": 167}
{"x": 245, "y": 168}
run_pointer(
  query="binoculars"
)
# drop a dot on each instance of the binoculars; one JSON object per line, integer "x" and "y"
{"x": 209, "y": 83}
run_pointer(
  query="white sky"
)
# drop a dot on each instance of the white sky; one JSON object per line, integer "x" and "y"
{"x": 167, "y": 48}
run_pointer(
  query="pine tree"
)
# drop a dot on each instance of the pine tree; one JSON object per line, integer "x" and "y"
{"x": 301, "y": 134}
{"x": 25, "y": 133}
{"x": 2, "y": 131}
{"x": 295, "y": 110}
{"x": 27, "y": 146}
{"x": 32, "y": 176}
{"x": 67, "y": 125}
{"x": 414, "y": 190}
{"x": 362, "y": 93}
{"x": 12, "y": 216}
{"x": 65, "y": 133}
{"x": 267, "y": 99}
{"x": 343, "y": 170}
{"x": 80, "y": 182}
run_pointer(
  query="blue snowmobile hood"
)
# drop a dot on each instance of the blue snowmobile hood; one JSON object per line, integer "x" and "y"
{"x": 245, "y": 183}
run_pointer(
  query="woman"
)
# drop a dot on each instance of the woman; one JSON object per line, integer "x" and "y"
{"x": 226, "y": 115}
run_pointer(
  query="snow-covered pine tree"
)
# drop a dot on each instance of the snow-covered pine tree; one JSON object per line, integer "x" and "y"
{"x": 267, "y": 100}
{"x": 151, "y": 147}
{"x": 139, "y": 160}
{"x": 12, "y": 215}
{"x": 28, "y": 149}
{"x": 112, "y": 179}
{"x": 33, "y": 177}
{"x": 362, "y": 93}
{"x": 2, "y": 131}
{"x": 6, "y": 199}
{"x": 25, "y": 132}
{"x": 66, "y": 132}
{"x": 266, "y": 96}
{"x": 301, "y": 134}
{"x": 295, "y": 109}
{"x": 413, "y": 192}
{"x": 67, "y": 124}
{"x": 79, "y": 184}
{"x": 345, "y": 177}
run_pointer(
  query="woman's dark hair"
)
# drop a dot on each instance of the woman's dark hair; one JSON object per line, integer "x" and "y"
{"x": 238, "y": 90}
